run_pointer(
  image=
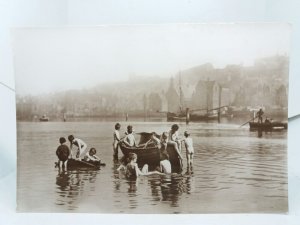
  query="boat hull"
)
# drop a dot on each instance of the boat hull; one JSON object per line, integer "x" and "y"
{"x": 76, "y": 164}
{"x": 44, "y": 119}
{"x": 175, "y": 117}
{"x": 267, "y": 126}
{"x": 193, "y": 117}
{"x": 151, "y": 156}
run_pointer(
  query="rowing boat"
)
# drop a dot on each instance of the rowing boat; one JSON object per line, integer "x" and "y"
{"x": 151, "y": 155}
{"x": 267, "y": 125}
{"x": 83, "y": 164}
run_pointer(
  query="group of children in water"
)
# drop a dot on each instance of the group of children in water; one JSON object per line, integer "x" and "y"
{"x": 170, "y": 138}
{"x": 63, "y": 152}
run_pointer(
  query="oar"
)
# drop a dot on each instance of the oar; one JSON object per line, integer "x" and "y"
{"x": 248, "y": 121}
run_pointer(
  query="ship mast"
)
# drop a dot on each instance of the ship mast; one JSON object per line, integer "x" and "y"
{"x": 180, "y": 93}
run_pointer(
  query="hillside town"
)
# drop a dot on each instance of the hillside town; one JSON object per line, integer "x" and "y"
{"x": 240, "y": 88}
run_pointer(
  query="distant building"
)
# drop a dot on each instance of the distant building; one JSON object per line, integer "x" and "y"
{"x": 164, "y": 101}
{"x": 206, "y": 95}
{"x": 225, "y": 97}
{"x": 281, "y": 96}
{"x": 173, "y": 97}
{"x": 188, "y": 91}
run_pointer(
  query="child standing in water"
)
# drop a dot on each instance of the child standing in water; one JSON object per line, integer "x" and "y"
{"x": 129, "y": 139}
{"x": 62, "y": 153}
{"x": 80, "y": 144}
{"x": 188, "y": 142}
{"x": 116, "y": 140}
{"x": 174, "y": 140}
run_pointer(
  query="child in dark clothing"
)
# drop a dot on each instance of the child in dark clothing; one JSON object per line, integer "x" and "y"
{"x": 62, "y": 153}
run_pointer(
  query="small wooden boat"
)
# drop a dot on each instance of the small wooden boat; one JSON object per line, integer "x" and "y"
{"x": 44, "y": 118}
{"x": 206, "y": 117}
{"x": 267, "y": 125}
{"x": 151, "y": 155}
{"x": 76, "y": 164}
{"x": 176, "y": 117}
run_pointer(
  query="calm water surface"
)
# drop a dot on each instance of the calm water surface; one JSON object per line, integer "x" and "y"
{"x": 234, "y": 171}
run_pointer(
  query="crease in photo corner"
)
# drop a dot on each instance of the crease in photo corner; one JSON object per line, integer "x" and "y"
{"x": 7, "y": 86}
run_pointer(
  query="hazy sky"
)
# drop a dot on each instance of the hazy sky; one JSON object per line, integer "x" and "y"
{"x": 56, "y": 59}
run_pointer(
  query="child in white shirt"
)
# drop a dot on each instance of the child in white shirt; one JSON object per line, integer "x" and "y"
{"x": 80, "y": 144}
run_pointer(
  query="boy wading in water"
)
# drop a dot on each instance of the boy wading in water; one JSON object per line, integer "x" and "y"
{"x": 132, "y": 170}
{"x": 165, "y": 165}
{"x": 116, "y": 140}
{"x": 62, "y": 153}
{"x": 129, "y": 139}
{"x": 188, "y": 142}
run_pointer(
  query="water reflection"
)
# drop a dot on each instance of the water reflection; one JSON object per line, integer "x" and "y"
{"x": 132, "y": 186}
{"x": 71, "y": 185}
{"x": 234, "y": 171}
{"x": 169, "y": 188}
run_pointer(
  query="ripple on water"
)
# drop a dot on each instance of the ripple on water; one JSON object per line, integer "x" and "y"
{"x": 234, "y": 171}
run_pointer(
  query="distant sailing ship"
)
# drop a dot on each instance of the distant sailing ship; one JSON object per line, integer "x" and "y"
{"x": 208, "y": 95}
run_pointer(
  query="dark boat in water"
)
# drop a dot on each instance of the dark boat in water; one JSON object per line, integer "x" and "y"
{"x": 193, "y": 116}
{"x": 268, "y": 125}
{"x": 76, "y": 164}
{"x": 176, "y": 117}
{"x": 151, "y": 154}
{"x": 44, "y": 118}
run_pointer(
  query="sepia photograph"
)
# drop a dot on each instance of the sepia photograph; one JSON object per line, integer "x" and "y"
{"x": 152, "y": 119}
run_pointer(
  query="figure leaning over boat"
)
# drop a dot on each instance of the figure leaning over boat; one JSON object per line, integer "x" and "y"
{"x": 152, "y": 149}
{"x": 82, "y": 157}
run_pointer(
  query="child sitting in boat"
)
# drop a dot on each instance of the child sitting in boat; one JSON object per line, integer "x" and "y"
{"x": 81, "y": 146}
{"x": 91, "y": 156}
{"x": 129, "y": 139}
{"x": 62, "y": 153}
{"x": 188, "y": 142}
{"x": 153, "y": 141}
{"x": 116, "y": 140}
{"x": 174, "y": 139}
{"x": 164, "y": 140}
{"x": 165, "y": 165}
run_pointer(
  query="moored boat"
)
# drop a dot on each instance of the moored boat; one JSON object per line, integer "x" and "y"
{"x": 176, "y": 117}
{"x": 193, "y": 117}
{"x": 151, "y": 155}
{"x": 267, "y": 125}
{"x": 44, "y": 118}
